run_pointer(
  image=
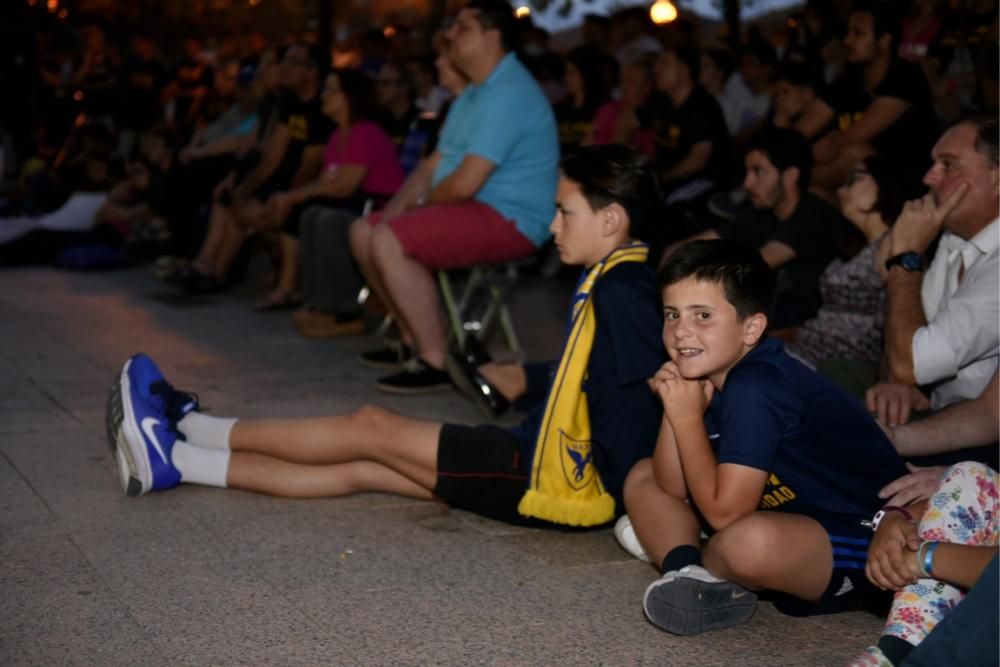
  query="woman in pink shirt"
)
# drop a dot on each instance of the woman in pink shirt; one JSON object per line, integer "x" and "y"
{"x": 360, "y": 165}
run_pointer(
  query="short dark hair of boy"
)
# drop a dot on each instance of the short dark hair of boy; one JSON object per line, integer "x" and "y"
{"x": 786, "y": 148}
{"x": 887, "y": 19}
{"x": 359, "y": 91}
{"x": 618, "y": 174}
{"x": 690, "y": 57}
{"x": 745, "y": 278}
{"x": 497, "y": 15}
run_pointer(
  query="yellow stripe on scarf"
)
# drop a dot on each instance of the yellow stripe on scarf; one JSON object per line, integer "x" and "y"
{"x": 565, "y": 487}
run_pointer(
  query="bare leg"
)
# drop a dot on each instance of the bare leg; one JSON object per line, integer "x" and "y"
{"x": 660, "y": 520}
{"x": 406, "y": 446}
{"x": 288, "y": 273}
{"x": 360, "y": 235}
{"x": 773, "y": 550}
{"x": 414, "y": 294}
{"x": 232, "y": 242}
{"x": 217, "y": 223}
{"x": 275, "y": 477}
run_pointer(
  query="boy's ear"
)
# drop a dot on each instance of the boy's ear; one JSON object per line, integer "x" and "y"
{"x": 753, "y": 328}
{"x": 614, "y": 220}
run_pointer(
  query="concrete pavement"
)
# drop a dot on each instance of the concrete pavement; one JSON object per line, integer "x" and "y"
{"x": 208, "y": 577}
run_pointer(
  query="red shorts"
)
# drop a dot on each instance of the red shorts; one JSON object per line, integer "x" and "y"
{"x": 449, "y": 236}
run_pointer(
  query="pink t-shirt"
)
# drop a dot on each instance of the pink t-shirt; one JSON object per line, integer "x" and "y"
{"x": 367, "y": 146}
{"x": 605, "y": 120}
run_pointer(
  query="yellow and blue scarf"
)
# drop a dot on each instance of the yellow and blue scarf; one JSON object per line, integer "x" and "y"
{"x": 564, "y": 487}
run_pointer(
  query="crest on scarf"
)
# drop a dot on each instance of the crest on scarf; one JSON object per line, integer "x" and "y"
{"x": 577, "y": 461}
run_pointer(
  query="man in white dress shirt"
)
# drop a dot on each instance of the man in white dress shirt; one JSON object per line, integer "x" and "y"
{"x": 943, "y": 326}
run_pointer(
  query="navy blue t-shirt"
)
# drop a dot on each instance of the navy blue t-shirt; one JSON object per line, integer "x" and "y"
{"x": 826, "y": 455}
{"x": 624, "y": 412}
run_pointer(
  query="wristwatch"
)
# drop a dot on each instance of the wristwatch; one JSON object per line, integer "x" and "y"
{"x": 910, "y": 261}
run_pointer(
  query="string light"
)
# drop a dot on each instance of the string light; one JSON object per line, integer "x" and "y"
{"x": 522, "y": 12}
{"x": 662, "y": 11}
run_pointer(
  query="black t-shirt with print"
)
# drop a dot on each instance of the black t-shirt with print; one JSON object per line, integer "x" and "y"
{"x": 307, "y": 126}
{"x": 913, "y": 135}
{"x": 677, "y": 128}
{"x": 814, "y": 231}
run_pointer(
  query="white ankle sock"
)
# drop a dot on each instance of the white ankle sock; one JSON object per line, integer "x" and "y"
{"x": 201, "y": 466}
{"x": 206, "y": 432}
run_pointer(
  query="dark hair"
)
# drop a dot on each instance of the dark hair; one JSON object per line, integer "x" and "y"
{"x": 497, "y": 15}
{"x": 618, "y": 174}
{"x": 887, "y": 19}
{"x": 359, "y": 91}
{"x": 986, "y": 134}
{"x": 762, "y": 50}
{"x": 722, "y": 58}
{"x": 319, "y": 58}
{"x": 799, "y": 74}
{"x": 786, "y": 148}
{"x": 598, "y": 20}
{"x": 745, "y": 278}
{"x": 897, "y": 184}
{"x": 588, "y": 62}
{"x": 690, "y": 57}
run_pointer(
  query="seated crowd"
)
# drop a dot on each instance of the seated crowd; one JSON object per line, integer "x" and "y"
{"x": 800, "y": 352}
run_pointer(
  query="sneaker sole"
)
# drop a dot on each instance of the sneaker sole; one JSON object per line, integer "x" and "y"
{"x": 687, "y": 606}
{"x": 133, "y": 462}
{"x": 466, "y": 388}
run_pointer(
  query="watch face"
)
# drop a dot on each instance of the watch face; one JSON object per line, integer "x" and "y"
{"x": 911, "y": 261}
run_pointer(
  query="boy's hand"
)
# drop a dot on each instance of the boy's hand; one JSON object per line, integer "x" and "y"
{"x": 682, "y": 398}
{"x": 892, "y": 562}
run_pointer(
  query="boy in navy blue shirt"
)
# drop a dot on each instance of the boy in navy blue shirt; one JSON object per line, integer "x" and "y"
{"x": 781, "y": 465}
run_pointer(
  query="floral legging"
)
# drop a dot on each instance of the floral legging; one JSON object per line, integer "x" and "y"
{"x": 963, "y": 510}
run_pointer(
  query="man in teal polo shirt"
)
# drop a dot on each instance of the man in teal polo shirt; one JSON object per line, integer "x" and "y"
{"x": 484, "y": 196}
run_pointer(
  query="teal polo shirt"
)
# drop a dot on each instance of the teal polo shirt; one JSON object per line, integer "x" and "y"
{"x": 507, "y": 120}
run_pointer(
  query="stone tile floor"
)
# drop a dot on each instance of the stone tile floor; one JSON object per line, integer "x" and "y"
{"x": 200, "y": 576}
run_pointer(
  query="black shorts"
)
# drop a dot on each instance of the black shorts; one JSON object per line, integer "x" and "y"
{"x": 479, "y": 470}
{"x": 849, "y": 588}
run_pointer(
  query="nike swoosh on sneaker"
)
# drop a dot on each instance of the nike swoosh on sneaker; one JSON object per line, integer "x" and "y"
{"x": 737, "y": 595}
{"x": 147, "y": 427}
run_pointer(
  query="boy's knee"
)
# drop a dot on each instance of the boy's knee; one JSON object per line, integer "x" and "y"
{"x": 637, "y": 482}
{"x": 368, "y": 417}
{"x": 746, "y": 546}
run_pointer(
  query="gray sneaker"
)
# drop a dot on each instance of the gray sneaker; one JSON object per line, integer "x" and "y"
{"x": 691, "y": 601}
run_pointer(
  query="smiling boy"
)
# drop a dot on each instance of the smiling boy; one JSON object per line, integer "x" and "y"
{"x": 772, "y": 459}
{"x": 564, "y": 465}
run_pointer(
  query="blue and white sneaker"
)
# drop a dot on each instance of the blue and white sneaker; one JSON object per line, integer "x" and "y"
{"x": 142, "y": 415}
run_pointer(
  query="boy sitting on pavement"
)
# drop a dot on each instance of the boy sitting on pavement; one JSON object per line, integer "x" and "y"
{"x": 782, "y": 465}
{"x": 565, "y": 465}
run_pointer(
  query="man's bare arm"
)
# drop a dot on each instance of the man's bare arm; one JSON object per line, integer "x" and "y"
{"x": 463, "y": 183}
{"x": 966, "y": 424}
